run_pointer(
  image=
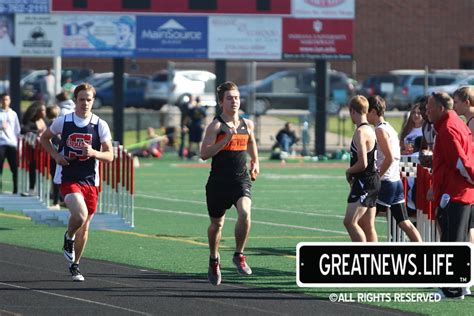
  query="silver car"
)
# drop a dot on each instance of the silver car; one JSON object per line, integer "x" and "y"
{"x": 176, "y": 87}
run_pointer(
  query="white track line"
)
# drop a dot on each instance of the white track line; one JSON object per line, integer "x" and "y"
{"x": 75, "y": 298}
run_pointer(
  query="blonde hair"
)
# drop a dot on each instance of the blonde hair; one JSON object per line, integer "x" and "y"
{"x": 465, "y": 94}
{"x": 360, "y": 104}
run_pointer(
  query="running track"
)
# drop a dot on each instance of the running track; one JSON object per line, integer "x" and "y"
{"x": 35, "y": 282}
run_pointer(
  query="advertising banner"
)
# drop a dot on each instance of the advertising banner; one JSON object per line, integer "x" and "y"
{"x": 98, "y": 35}
{"x": 24, "y": 6}
{"x": 255, "y": 38}
{"x": 7, "y": 35}
{"x": 38, "y": 35}
{"x": 171, "y": 37}
{"x": 324, "y": 9}
{"x": 317, "y": 39}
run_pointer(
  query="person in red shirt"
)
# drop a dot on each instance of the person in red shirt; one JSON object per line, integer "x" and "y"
{"x": 452, "y": 176}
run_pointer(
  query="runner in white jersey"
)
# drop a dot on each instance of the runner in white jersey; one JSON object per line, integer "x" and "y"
{"x": 85, "y": 140}
{"x": 388, "y": 163}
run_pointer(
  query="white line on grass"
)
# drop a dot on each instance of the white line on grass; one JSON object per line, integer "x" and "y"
{"x": 253, "y": 207}
{"x": 234, "y": 219}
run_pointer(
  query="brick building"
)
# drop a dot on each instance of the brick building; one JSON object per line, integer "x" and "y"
{"x": 389, "y": 34}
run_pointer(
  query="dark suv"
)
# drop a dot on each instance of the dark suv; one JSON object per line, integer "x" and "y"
{"x": 295, "y": 89}
{"x": 380, "y": 84}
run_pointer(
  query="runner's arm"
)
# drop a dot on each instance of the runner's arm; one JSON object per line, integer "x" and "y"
{"x": 361, "y": 144}
{"x": 252, "y": 149}
{"x": 209, "y": 147}
{"x": 385, "y": 148}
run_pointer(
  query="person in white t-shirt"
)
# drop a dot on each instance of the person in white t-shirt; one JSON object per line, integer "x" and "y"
{"x": 85, "y": 140}
{"x": 411, "y": 130}
{"x": 9, "y": 133}
{"x": 391, "y": 193}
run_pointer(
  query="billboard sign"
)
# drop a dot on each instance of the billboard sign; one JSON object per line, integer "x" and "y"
{"x": 24, "y": 6}
{"x": 171, "y": 37}
{"x": 317, "y": 39}
{"x": 324, "y": 9}
{"x": 7, "y": 35}
{"x": 98, "y": 35}
{"x": 255, "y": 38}
{"x": 38, "y": 35}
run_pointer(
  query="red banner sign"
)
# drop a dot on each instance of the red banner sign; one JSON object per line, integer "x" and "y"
{"x": 317, "y": 39}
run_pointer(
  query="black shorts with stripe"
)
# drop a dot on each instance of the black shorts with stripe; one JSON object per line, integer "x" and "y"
{"x": 365, "y": 190}
{"x": 221, "y": 195}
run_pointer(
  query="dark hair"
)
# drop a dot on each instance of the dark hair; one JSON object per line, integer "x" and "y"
{"x": 408, "y": 125}
{"x": 62, "y": 96}
{"x": 84, "y": 86}
{"x": 31, "y": 112}
{"x": 223, "y": 87}
{"x": 376, "y": 102}
{"x": 3, "y": 95}
{"x": 417, "y": 144}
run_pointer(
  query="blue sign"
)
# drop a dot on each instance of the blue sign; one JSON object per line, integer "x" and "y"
{"x": 24, "y": 6}
{"x": 171, "y": 37}
{"x": 98, "y": 35}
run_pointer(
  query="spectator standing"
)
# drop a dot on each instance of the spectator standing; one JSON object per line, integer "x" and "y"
{"x": 391, "y": 195}
{"x": 47, "y": 87}
{"x": 195, "y": 122}
{"x": 362, "y": 176}
{"x": 33, "y": 121}
{"x": 68, "y": 87}
{"x": 65, "y": 104}
{"x": 85, "y": 140}
{"x": 9, "y": 133}
{"x": 411, "y": 130}
{"x": 452, "y": 174}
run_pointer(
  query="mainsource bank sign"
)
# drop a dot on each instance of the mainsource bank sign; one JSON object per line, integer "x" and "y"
{"x": 171, "y": 37}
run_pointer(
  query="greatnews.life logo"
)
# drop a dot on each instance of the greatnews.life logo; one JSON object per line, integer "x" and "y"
{"x": 328, "y": 264}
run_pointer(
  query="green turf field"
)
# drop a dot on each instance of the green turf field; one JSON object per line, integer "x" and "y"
{"x": 292, "y": 203}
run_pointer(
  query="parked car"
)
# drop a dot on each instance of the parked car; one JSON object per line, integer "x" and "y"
{"x": 295, "y": 89}
{"x": 31, "y": 83}
{"x": 380, "y": 84}
{"x": 468, "y": 81}
{"x": 5, "y": 80}
{"x": 411, "y": 86}
{"x": 133, "y": 92}
{"x": 96, "y": 79}
{"x": 176, "y": 87}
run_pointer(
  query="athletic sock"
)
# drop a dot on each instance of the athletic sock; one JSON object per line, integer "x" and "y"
{"x": 213, "y": 260}
{"x": 237, "y": 254}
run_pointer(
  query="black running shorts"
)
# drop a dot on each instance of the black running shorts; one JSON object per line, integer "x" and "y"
{"x": 365, "y": 190}
{"x": 222, "y": 195}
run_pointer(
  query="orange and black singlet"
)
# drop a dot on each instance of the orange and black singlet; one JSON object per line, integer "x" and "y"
{"x": 231, "y": 161}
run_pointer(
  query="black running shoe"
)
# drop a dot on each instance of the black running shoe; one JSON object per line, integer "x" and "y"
{"x": 76, "y": 274}
{"x": 68, "y": 248}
